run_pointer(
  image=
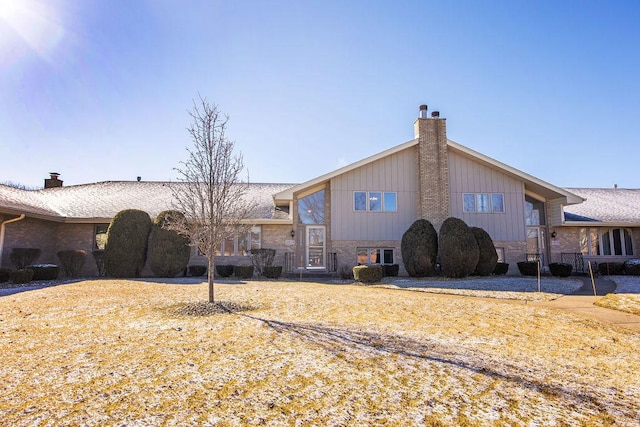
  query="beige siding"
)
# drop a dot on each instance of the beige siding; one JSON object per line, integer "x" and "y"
{"x": 395, "y": 173}
{"x": 554, "y": 212}
{"x": 468, "y": 176}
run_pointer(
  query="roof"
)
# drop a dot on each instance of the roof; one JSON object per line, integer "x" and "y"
{"x": 607, "y": 206}
{"x": 102, "y": 200}
{"x": 532, "y": 183}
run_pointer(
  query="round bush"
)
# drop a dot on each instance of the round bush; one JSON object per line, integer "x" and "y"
{"x": 367, "y": 273}
{"x": 44, "y": 271}
{"x": 72, "y": 261}
{"x": 125, "y": 249}
{"x": 243, "y": 271}
{"x": 501, "y": 268}
{"x": 390, "y": 269}
{"x": 224, "y": 270}
{"x": 169, "y": 251}
{"x": 345, "y": 272}
{"x": 197, "y": 270}
{"x": 632, "y": 267}
{"x": 560, "y": 269}
{"x": 4, "y": 275}
{"x": 488, "y": 256}
{"x": 272, "y": 271}
{"x": 21, "y": 276}
{"x": 459, "y": 251}
{"x": 419, "y": 247}
{"x": 611, "y": 268}
{"x": 528, "y": 268}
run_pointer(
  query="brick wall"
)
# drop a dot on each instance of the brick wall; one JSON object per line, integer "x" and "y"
{"x": 433, "y": 170}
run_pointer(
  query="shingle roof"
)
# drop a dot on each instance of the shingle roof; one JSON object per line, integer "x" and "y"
{"x": 613, "y": 205}
{"x": 102, "y": 200}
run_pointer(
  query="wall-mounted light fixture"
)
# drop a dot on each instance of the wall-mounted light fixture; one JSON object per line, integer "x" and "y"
{"x": 293, "y": 233}
{"x": 553, "y": 234}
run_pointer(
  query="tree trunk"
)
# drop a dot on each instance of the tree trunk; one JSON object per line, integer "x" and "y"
{"x": 210, "y": 274}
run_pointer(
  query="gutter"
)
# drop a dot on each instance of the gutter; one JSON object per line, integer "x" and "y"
{"x": 2, "y": 226}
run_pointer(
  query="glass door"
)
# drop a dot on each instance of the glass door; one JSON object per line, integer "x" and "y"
{"x": 315, "y": 246}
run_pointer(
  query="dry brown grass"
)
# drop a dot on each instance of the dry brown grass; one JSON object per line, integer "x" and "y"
{"x": 629, "y": 303}
{"x": 126, "y": 352}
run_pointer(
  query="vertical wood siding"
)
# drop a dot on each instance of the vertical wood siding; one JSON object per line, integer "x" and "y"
{"x": 395, "y": 173}
{"x": 469, "y": 176}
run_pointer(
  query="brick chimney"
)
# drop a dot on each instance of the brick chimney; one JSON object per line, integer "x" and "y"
{"x": 53, "y": 181}
{"x": 433, "y": 168}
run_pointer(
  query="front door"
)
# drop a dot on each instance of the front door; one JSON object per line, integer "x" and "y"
{"x": 316, "y": 247}
{"x": 536, "y": 248}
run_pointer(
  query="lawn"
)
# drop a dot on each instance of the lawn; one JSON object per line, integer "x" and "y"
{"x": 626, "y": 297}
{"x": 114, "y": 352}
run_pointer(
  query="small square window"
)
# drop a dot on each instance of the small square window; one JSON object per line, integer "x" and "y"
{"x": 360, "y": 200}
{"x": 390, "y": 202}
{"x": 497, "y": 203}
{"x": 468, "y": 203}
{"x": 375, "y": 201}
{"x": 483, "y": 203}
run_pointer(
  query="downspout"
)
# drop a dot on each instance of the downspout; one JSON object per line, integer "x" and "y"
{"x": 2, "y": 225}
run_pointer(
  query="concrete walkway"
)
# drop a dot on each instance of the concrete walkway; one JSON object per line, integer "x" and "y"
{"x": 581, "y": 303}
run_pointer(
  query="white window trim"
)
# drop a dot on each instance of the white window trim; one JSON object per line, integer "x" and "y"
{"x": 367, "y": 198}
{"x": 373, "y": 249}
{"x": 476, "y": 203}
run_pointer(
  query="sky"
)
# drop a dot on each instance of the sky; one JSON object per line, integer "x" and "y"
{"x": 100, "y": 90}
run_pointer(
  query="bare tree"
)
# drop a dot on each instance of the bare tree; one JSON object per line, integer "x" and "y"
{"x": 211, "y": 193}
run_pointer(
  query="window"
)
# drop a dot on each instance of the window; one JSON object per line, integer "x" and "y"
{"x": 375, "y": 201}
{"x": 534, "y": 210}
{"x": 311, "y": 208}
{"x": 100, "y": 236}
{"x": 374, "y": 256}
{"x": 483, "y": 203}
{"x": 241, "y": 244}
{"x": 608, "y": 242}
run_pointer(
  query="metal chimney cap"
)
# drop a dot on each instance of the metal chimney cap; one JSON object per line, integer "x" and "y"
{"x": 54, "y": 175}
{"x": 435, "y": 114}
{"x": 423, "y": 107}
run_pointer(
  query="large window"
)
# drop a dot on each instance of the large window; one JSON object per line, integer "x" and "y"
{"x": 607, "y": 241}
{"x": 311, "y": 208}
{"x": 483, "y": 203}
{"x": 374, "y": 256}
{"x": 242, "y": 243}
{"x": 375, "y": 201}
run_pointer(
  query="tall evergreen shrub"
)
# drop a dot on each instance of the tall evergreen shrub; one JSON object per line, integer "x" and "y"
{"x": 125, "y": 249}
{"x": 419, "y": 248}
{"x": 169, "y": 251}
{"x": 459, "y": 253}
{"x": 488, "y": 255}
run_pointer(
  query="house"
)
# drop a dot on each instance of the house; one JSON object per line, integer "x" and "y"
{"x": 357, "y": 214}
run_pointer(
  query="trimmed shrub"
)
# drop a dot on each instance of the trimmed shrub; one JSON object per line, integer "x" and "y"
{"x": 243, "y": 271}
{"x": 224, "y": 270}
{"x": 21, "y": 276}
{"x": 21, "y": 257}
{"x": 261, "y": 258}
{"x": 197, "y": 270}
{"x": 44, "y": 271}
{"x": 367, "y": 273}
{"x": 488, "y": 255}
{"x": 169, "y": 251}
{"x": 419, "y": 248}
{"x": 272, "y": 271}
{"x": 528, "y": 268}
{"x": 125, "y": 249}
{"x": 72, "y": 261}
{"x": 390, "y": 269}
{"x": 459, "y": 251}
{"x": 501, "y": 268}
{"x": 4, "y": 275}
{"x": 611, "y": 268}
{"x": 345, "y": 272}
{"x": 98, "y": 256}
{"x": 632, "y": 267}
{"x": 560, "y": 269}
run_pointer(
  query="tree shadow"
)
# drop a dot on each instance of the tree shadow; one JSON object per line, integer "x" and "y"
{"x": 342, "y": 341}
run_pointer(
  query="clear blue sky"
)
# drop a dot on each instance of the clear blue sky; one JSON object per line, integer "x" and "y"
{"x": 99, "y": 90}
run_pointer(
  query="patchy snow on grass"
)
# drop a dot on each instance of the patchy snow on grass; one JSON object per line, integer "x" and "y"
{"x": 504, "y": 287}
{"x": 626, "y": 297}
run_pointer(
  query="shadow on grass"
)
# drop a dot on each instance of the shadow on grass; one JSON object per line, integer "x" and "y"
{"x": 342, "y": 341}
